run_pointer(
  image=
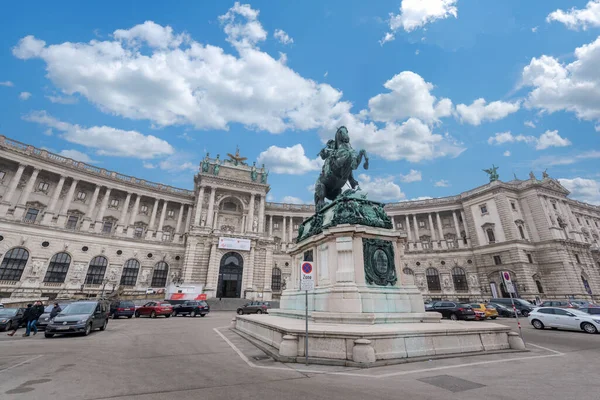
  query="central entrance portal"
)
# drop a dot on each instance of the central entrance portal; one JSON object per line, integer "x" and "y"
{"x": 230, "y": 276}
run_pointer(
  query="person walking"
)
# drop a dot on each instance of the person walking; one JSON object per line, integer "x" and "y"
{"x": 55, "y": 310}
{"x": 36, "y": 311}
{"x": 24, "y": 319}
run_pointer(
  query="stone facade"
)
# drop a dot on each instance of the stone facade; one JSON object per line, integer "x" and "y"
{"x": 67, "y": 227}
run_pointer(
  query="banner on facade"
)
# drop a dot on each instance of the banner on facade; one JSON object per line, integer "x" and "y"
{"x": 234, "y": 244}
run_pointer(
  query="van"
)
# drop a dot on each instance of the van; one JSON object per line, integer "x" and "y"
{"x": 522, "y": 305}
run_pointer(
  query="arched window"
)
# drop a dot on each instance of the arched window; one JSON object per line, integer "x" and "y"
{"x": 58, "y": 268}
{"x": 130, "y": 272}
{"x": 539, "y": 286}
{"x": 96, "y": 270}
{"x": 13, "y": 264}
{"x": 159, "y": 277}
{"x": 433, "y": 279}
{"x": 459, "y": 278}
{"x": 521, "y": 232}
{"x": 408, "y": 271}
{"x": 490, "y": 235}
{"x": 276, "y": 279}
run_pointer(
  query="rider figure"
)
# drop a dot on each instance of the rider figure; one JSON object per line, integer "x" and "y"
{"x": 330, "y": 150}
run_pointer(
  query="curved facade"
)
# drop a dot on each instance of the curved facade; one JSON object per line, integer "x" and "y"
{"x": 67, "y": 227}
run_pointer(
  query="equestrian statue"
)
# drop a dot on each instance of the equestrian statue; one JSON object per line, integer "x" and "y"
{"x": 340, "y": 160}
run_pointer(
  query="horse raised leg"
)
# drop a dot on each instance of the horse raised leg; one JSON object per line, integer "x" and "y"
{"x": 319, "y": 195}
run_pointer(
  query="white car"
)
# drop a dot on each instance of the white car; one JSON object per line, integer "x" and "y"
{"x": 560, "y": 318}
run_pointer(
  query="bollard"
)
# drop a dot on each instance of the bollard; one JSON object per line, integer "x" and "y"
{"x": 363, "y": 352}
{"x": 232, "y": 323}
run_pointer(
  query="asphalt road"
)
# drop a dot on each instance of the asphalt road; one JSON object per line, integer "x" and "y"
{"x": 183, "y": 358}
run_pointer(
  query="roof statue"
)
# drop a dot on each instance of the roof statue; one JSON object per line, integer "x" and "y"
{"x": 492, "y": 173}
{"x": 236, "y": 159}
{"x": 545, "y": 174}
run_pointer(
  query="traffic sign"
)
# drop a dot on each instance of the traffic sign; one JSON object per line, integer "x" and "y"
{"x": 510, "y": 287}
{"x": 307, "y": 279}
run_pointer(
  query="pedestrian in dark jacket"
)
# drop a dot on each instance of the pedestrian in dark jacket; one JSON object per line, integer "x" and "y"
{"x": 55, "y": 310}
{"x": 36, "y": 311}
{"x": 24, "y": 319}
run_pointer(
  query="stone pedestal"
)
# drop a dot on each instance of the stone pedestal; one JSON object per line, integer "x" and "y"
{"x": 47, "y": 219}
{"x": 19, "y": 212}
{"x": 62, "y": 220}
{"x": 85, "y": 224}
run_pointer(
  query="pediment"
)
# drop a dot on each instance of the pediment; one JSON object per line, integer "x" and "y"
{"x": 553, "y": 184}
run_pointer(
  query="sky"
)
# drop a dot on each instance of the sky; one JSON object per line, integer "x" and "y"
{"x": 434, "y": 90}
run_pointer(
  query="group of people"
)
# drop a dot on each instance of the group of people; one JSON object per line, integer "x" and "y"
{"x": 32, "y": 314}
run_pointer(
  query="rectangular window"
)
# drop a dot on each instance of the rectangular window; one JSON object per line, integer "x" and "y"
{"x": 399, "y": 225}
{"x": 554, "y": 206}
{"x": 166, "y": 236}
{"x": 81, "y": 195}
{"x": 171, "y": 213}
{"x": 421, "y": 224}
{"x": 114, "y": 203}
{"x": 577, "y": 259}
{"x": 31, "y": 214}
{"x": 296, "y": 226}
{"x": 483, "y": 209}
{"x": 275, "y": 225}
{"x": 43, "y": 186}
{"x": 72, "y": 222}
{"x": 2, "y": 175}
{"x": 144, "y": 209}
{"x": 529, "y": 258}
{"x": 138, "y": 232}
{"x": 513, "y": 206}
{"x": 497, "y": 260}
{"x": 107, "y": 227}
{"x": 446, "y": 222}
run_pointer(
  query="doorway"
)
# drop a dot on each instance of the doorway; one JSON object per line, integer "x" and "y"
{"x": 230, "y": 276}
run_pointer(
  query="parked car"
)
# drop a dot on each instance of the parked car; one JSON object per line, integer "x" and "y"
{"x": 255, "y": 307}
{"x": 10, "y": 318}
{"x": 45, "y": 317}
{"x": 488, "y": 310}
{"x": 583, "y": 303}
{"x": 591, "y": 310}
{"x": 557, "y": 303}
{"x": 155, "y": 308}
{"x": 504, "y": 311}
{"x": 523, "y": 306}
{"x": 560, "y": 318}
{"x": 122, "y": 308}
{"x": 191, "y": 308}
{"x": 79, "y": 317}
{"x": 453, "y": 310}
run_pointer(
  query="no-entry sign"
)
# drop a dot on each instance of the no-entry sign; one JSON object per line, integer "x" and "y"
{"x": 307, "y": 279}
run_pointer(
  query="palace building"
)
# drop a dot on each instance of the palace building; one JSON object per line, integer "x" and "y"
{"x": 67, "y": 227}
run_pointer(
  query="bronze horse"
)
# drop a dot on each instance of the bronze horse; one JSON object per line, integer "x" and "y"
{"x": 340, "y": 160}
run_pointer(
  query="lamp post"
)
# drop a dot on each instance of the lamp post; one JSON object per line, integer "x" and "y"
{"x": 104, "y": 282}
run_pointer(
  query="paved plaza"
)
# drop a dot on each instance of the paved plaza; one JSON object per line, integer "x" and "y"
{"x": 186, "y": 358}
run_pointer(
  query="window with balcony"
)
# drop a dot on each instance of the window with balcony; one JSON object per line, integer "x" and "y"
{"x": 521, "y": 232}
{"x": 72, "y": 222}
{"x": 81, "y": 195}
{"x": 31, "y": 215}
{"x": 107, "y": 227}
{"x": 166, "y": 237}
{"x": 138, "y": 232}
{"x": 490, "y": 235}
{"x": 497, "y": 260}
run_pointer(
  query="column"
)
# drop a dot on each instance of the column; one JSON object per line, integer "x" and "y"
{"x": 122, "y": 223}
{"x": 417, "y": 237}
{"x": 267, "y": 295}
{"x": 212, "y": 273}
{"x": 431, "y": 228}
{"x": 130, "y": 230}
{"x": 179, "y": 219}
{"x": 21, "y": 206}
{"x": 458, "y": 238}
{"x": 250, "y": 214}
{"x": 270, "y": 226}
{"x": 188, "y": 219}
{"x": 439, "y": 224}
{"x": 62, "y": 216}
{"x": 393, "y": 218}
{"x": 283, "y": 234}
{"x": 150, "y": 230}
{"x": 87, "y": 220}
{"x": 462, "y": 215}
{"x": 250, "y": 274}
{"x": 12, "y": 187}
{"x": 261, "y": 215}
{"x": 100, "y": 216}
{"x": 216, "y": 219}
{"x": 49, "y": 213}
{"x": 407, "y": 227}
{"x": 163, "y": 214}
{"x": 291, "y": 230}
{"x": 211, "y": 205}
{"x": 199, "y": 202}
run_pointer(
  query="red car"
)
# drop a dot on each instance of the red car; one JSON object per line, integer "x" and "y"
{"x": 155, "y": 308}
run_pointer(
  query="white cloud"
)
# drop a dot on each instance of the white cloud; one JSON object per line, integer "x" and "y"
{"x": 442, "y": 183}
{"x": 148, "y": 165}
{"x": 566, "y": 160}
{"x": 573, "y": 87}
{"x": 529, "y": 124}
{"x": 546, "y": 139}
{"x": 415, "y": 14}
{"x": 152, "y": 34}
{"x": 24, "y": 96}
{"x": 578, "y": 18}
{"x": 63, "y": 99}
{"x": 534, "y": 29}
{"x": 551, "y": 139}
{"x": 292, "y": 200}
{"x": 77, "y": 155}
{"x": 174, "y": 163}
{"x": 311, "y": 188}
{"x": 7, "y": 84}
{"x": 288, "y": 160}
{"x": 282, "y": 37}
{"x": 506, "y": 153}
{"x": 380, "y": 188}
{"x": 105, "y": 139}
{"x": 409, "y": 97}
{"x": 412, "y": 176}
{"x": 417, "y": 52}
{"x": 586, "y": 190}
{"x": 478, "y": 111}
{"x": 48, "y": 132}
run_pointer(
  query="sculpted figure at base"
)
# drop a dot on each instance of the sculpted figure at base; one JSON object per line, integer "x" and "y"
{"x": 340, "y": 160}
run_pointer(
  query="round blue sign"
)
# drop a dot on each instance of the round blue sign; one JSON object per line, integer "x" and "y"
{"x": 307, "y": 268}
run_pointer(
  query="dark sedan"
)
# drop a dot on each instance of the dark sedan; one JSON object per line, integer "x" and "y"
{"x": 453, "y": 310}
{"x": 191, "y": 308}
{"x": 255, "y": 307}
{"x": 10, "y": 318}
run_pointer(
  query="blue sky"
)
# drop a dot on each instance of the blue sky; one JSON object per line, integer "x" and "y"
{"x": 434, "y": 90}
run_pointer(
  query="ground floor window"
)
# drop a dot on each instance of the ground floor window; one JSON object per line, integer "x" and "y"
{"x": 276, "y": 280}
